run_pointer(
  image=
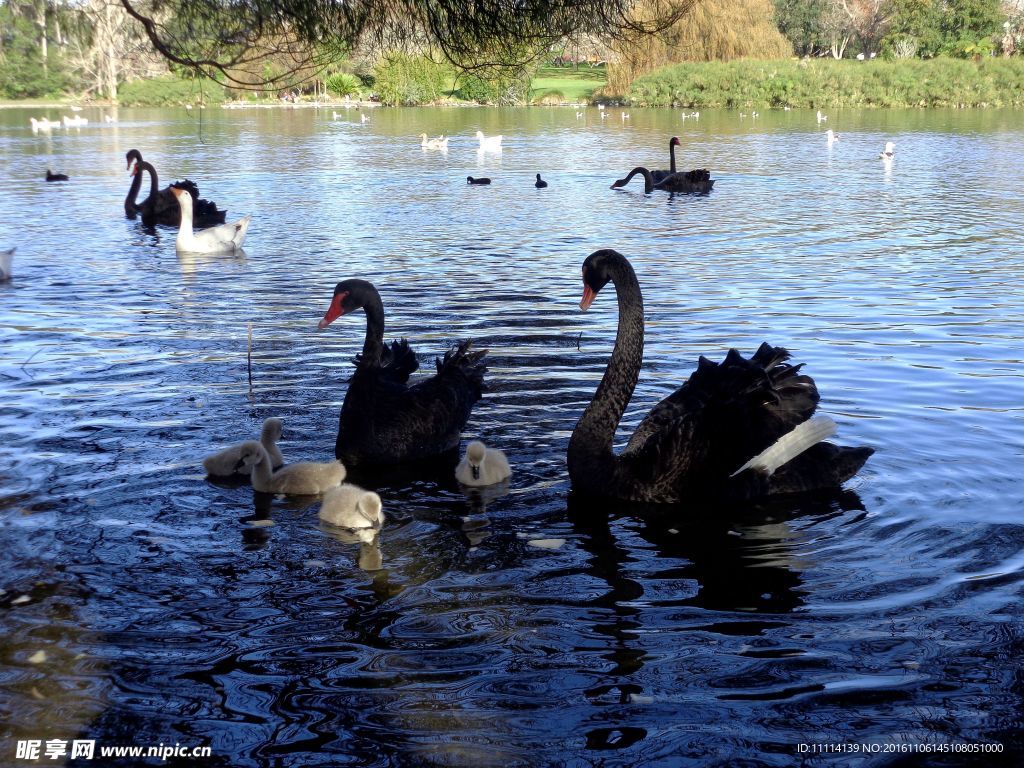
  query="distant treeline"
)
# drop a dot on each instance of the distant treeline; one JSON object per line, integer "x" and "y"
{"x": 938, "y": 82}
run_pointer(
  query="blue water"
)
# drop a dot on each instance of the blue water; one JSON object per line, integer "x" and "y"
{"x": 171, "y": 609}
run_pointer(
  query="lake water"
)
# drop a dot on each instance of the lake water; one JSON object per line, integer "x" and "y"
{"x": 142, "y": 604}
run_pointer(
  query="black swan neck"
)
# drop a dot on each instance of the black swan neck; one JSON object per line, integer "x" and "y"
{"x": 590, "y": 447}
{"x": 672, "y": 156}
{"x": 133, "y": 192}
{"x": 154, "y": 182}
{"x": 648, "y": 180}
{"x": 373, "y": 346}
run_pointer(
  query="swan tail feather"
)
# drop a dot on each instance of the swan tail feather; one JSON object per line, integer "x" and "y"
{"x": 465, "y": 362}
{"x": 791, "y": 445}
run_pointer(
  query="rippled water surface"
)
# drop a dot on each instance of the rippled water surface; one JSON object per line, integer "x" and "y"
{"x": 143, "y": 604}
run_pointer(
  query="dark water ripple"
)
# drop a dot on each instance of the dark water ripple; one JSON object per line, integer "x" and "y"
{"x": 172, "y": 609}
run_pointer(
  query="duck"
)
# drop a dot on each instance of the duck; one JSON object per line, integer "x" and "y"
{"x": 440, "y": 142}
{"x": 304, "y": 478}
{"x": 889, "y": 152}
{"x": 364, "y": 118}
{"x": 696, "y": 182}
{"x": 225, "y": 238}
{"x": 540, "y": 183}
{"x": 225, "y": 462}
{"x": 831, "y": 137}
{"x": 109, "y": 119}
{"x": 384, "y": 420}
{"x": 51, "y": 176}
{"x": 482, "y": 180}
{"x": 349, "y": 506}
{"x": 161, "y": 207}
{"x": 75, "y": 122}
{"x": 822, "y": 118}
{"x": 6, "y": 258}
{"x": 482, "y": 466}
{"x": 624, "y": 115}
{"x": 488, "y": 143}
{"x": 710, "y": 438}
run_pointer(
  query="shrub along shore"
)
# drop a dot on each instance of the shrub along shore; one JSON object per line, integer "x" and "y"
{"x": 940, "y": 82}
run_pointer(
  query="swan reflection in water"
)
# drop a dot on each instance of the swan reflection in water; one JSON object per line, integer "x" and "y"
{"x": 743, "y": 570}
{"x": 476, "y": 525}
{"x": 369, "y": 556}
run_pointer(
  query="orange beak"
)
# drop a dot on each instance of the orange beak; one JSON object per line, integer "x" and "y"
{"x": 588, "y": 297}
{"x": 333, "y": 312}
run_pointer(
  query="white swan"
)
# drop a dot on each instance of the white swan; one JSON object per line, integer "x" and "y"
{"x": 228, "y": 461}
{"x": 109, "y": 119}
{"x": 304, "y": 478}
{"x": 482, "y": 466}
{"x": 488, "y": 143}
{"x": 6, "y": 257}
{"x": 831, "y": 136}
{"x": 889, "y": 152}
{"x": 441, "y": 142}
{"x": 75, "y": 122}
{"x": 226, "y": 238}
{"x": 364, "y": 118}
{"x": 349, "y": 506}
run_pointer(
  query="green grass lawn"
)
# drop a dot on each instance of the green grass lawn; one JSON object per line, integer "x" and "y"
{"x": 573, "y": 84}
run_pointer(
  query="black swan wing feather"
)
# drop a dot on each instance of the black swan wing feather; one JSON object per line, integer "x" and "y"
{"x": 398, "y": 362}
{"x": 725, "y": 414}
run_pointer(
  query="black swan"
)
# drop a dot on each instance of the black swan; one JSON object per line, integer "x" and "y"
{"x": 540, "y": 183}
{"x": 385, "y": 421}
{"x": 161, "y": 207}
{"x": 661, "y": 174}
{"x": 700, "y": 440}
{"x": 697, "y": 182}
{"x": 51, "y": 176}
{"x": 471, "y": 180}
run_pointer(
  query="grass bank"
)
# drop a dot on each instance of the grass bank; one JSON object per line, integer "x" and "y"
{"x": 170, "y": 91}
{"x": 827, "y": 82}
{"x": 554, "y": 84}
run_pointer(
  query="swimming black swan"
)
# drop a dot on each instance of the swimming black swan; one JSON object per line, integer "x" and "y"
{"x": 699, "y": 441}
{"x": 659, "y": 174}
{"x": 383, "y": 419}
{"x": 697, "y": 182}
{"x": 471, "y": 180}
{"x": 161, "y": 207}
{"x": 51, "y": 176}
{"x": 540, "y": 183}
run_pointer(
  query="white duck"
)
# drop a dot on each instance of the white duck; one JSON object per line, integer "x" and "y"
{"x": 488, "y": 143}
{"x": 228, "y": 461}
{"x": 226, "y": 238}
{"x": 482, "y": 466}
{"x": 889, "y": 152}
{"x": 349, "y": 506}
{"x": 304, "y": 478}
{"x": 441, "y": 142}
{"x": 6, "y": 257}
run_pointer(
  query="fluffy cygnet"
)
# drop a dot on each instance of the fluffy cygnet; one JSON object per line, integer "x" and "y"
{"x": 350, "y": 506}
{"x": 227, "y": 462}
{"x": 482, "y": 465}
{"x": 304, "y": 478}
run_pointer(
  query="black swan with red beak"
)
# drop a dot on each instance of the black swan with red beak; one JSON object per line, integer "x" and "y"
{"x": 161, "y": 207}
{"x": 735, "y": 431}
{"x": 385, "y": 421}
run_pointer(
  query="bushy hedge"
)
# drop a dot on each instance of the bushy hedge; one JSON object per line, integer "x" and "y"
{"x": 940, "y": 82}
{"x": 402, "y": 79}
{"x": 343, "y": 84}
{"x": 169, "y": 91}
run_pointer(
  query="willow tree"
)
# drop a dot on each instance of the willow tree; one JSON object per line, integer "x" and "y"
{"x": 714, "y": 30}
{"x": 229, "y": 37}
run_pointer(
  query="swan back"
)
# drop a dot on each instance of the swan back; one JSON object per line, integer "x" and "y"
{"x": 305, "y": 478}
{"x": 489, "y": 143}
{"x": 229, "y": 461}
{"x": 349, "y": 506}
{"x": 6, "y": 257}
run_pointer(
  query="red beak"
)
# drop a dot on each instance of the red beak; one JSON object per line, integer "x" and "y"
{"x": 588, "y": 297}
{"x": 333, "y": 312}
